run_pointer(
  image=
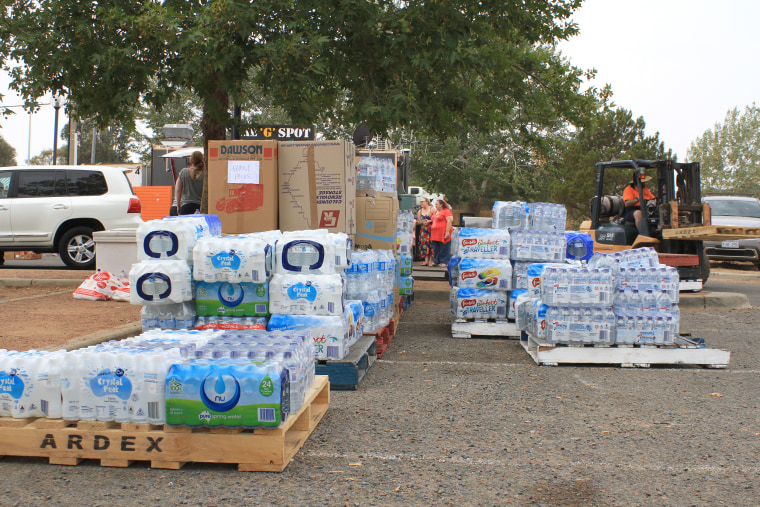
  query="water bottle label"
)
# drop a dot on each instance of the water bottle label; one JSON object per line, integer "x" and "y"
{"x": 226, "y": 260}
{"x": 302, "y": 291}
{"x": 111, "y": 383}
{"x": 11, "y": 384}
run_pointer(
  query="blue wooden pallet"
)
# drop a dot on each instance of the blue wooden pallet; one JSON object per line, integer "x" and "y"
{"x": 346, "y": 373}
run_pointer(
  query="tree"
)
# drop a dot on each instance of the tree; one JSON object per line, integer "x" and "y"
{"x": 444, "y": 65}
{"x": 44, "y": 158}
{"x": 7, "y": 153}
{"x": 112, "y": 144}
{"x": 609, "y": 134}
{"x": 729, "y": 154}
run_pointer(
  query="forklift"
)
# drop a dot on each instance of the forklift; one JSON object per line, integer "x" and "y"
{"x": 674, "y": 223}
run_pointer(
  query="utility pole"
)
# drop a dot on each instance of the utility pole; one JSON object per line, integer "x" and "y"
{"x": 72, "y": 158}
{"x": 56, "y": 106}
{"x": 94, "y": 144}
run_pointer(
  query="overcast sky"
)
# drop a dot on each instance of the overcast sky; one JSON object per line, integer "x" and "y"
{"x": 681, "y": 64}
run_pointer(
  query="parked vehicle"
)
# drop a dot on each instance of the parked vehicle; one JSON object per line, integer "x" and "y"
{"x": 734, "y": 211}
{"x": 57, "y": 209}
{"x": 419, "y": 193}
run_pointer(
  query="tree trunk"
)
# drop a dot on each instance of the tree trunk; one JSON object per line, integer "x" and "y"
{"x": 214, "y": 108}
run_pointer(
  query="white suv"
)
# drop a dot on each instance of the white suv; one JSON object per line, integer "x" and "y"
{"x": 57, "y": 208}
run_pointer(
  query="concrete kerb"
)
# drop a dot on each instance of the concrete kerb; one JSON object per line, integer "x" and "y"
{"x": 119, "y": 333}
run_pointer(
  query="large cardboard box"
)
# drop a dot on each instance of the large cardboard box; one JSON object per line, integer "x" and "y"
{"x": 242, "y": 185}
{"x": 317, "y": 186}
{"x": 376, "y": 219}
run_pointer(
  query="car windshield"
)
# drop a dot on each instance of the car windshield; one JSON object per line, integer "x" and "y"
{"x": 735, "y": 208}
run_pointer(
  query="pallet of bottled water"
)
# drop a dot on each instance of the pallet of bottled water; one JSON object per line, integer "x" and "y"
{"x": 481, "y": 312}
{"x": 110, "y": 402}
{"x": 592, "y": 335}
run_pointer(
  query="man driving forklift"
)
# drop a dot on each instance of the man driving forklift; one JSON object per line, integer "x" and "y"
{"x": 631, "y": 199}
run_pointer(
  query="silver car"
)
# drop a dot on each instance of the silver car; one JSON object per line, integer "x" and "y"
{"x": 734, "y": 211}
{"x": 57, "y": 209}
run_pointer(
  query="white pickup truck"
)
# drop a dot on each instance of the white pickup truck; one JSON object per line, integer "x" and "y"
{"x": 419, "y": 193}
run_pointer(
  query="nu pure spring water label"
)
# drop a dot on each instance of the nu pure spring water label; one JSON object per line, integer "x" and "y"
{"x": 231, "y": 299}
{"x": 247, "y": 395}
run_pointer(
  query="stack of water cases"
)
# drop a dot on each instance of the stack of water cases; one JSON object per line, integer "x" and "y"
{"x": 308, "y": 291}
{"x": 241, "y": 379}
{"x": 575, "y": 306}
{"x": 375, "y": 173}
{"x": 161, "y": 280}
{"x": 119, "y": 381}
{"x": 232, "y": 276}
{"x": 404, "y": 255}
{"x": 369, "y": 280}
{"x": 480, "y": 273}
{"x": 645, "y": 297}
{"x": 538, "y": 236}
{"x": 194, "y": 378}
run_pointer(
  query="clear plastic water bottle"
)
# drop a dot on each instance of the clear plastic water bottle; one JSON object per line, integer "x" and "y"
{"x": 634, "y": 301}
{"x": 676, "y": 313}
{"x": 149, "y": 317}
{"x": 649, "y": 302}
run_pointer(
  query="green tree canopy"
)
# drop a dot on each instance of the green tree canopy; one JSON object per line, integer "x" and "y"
{"x": 609, "y": 134}
{"x": 729, "y": 153}
{"x": 112, "y": 144}
{"x": 442, "y": 65}
{"x": 7, "y": 154}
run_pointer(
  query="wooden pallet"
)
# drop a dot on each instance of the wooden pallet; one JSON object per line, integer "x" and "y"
{"x": 346, "y": 373}
{"x": 548, "y": 354}
{"x": 711, "y": 233}
{"x": 120, "y": 444}
{"x": 496, "y": 328}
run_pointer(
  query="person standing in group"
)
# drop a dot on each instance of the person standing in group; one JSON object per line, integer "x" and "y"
{"x": 189, "y": 187}
{"x": 425, "y": 219}
{"x": 440, "y": 233}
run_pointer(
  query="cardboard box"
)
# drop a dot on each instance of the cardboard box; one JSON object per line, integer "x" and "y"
{"x": 376, "y": 219}
{"x": 317, "y": 186}
{"x": 242, "y": 185}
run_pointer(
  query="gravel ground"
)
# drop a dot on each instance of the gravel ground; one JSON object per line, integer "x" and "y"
{"x": 444, "y": 421}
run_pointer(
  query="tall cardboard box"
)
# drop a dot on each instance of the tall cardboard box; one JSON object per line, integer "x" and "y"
{"x": 242, "y": 185}
{"x": 317, "y": 186}
{"x": 376, "y": 219}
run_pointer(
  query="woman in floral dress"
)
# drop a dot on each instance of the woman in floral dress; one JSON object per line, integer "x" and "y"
{"x": 425, "y": 218}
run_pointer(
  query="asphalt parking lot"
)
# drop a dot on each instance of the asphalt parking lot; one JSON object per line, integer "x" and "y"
{"x": 440, "y": 420}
